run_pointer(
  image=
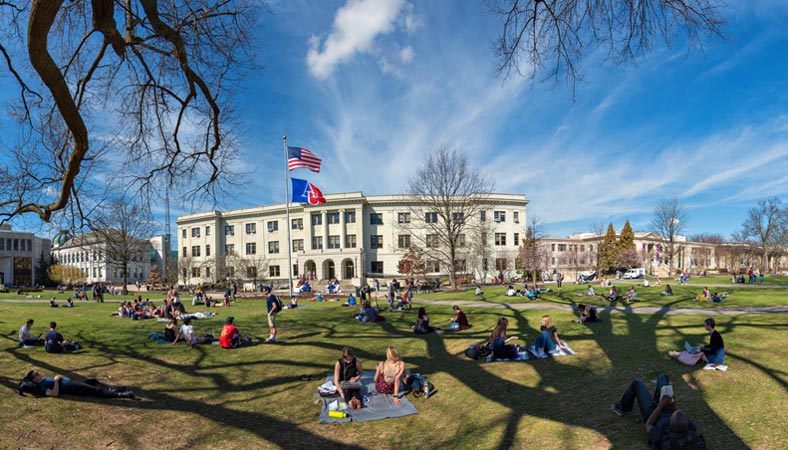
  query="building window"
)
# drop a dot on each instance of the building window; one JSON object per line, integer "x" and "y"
{"x": 183, "y": 234}
{"x": 431, "y": 217}
{"x": 230, "y": 271}
{"x": 500, "y": 263}
{"x": 561, "y": 247}
{"x": 350, "y": 217}
{"x": 317, "y": 219}
{"x": 458, "y": 217}
{"x": 516, "y": 239}
{"x": 207, "y": 250}
{"x": 229, "y": 230}
{"x": 376, "y": 266}
{"x": 273, "y": 271}
{"x": 376, "y": 241}
{"x": 433, "y": 266}
{"x": 229, "y": 249}
{"x": 195, "y": 272}
{"x": 333, "y": 242}
{"x": 552, "y": 247}
{"x": 273, "y": 247}
{"x": 273, "y": 226}
{"x": 208, "y": 231}
{"x": 485, "y": 265}
{"x": 295, "y": 269}
{"x": 251, "y": 272}
{"x": 251, "y": 248}
{"x": 553, "y": 258}
{"x": 376, "y": 219}
{"x": 350, "y": 241}
{"x": 483, "y": 216}
{"x": 297, "y": 224}
{"x": 403, "y": 241}
{"x": 461, "y": 240}
{"x": 403, "y": 217}
{"x": 431, "y": 241}
{"x": 196, "y": 232}
{"x": 516, "y": 217}
{"x": 195, "y": 250}
{"x": 317, "y": 243}
{"x": 207, "y": 272}
{"x": 500, "y": 238}
{"x": 459, "y": 265}
{"x": 298, "y": 245}
{"x": 582, "y": 247}
{"x": 332, "y": 218}
{"x": 251, "y": 228}
{"x": 499, "y": 216}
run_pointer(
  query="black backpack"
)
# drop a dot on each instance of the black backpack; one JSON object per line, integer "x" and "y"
{"x": 478, "y": 351}
{"x": 677, "y": 441}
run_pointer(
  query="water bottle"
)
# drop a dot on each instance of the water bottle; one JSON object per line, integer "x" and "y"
{"x": 337, "y": 414}
{"x": 426, "y": 388}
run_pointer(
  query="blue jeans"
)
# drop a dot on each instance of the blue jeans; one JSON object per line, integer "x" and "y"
{"x": 544, "y": 342}
{"x": 638, "y": 390}
{"x": 717, "y": 357}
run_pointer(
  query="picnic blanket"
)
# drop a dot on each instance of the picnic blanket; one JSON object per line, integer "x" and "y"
{"x": 527, "y": 353}
{"x": 376, "y": 406}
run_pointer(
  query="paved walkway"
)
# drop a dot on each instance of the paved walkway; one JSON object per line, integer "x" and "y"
{"x": 613, "y": 309}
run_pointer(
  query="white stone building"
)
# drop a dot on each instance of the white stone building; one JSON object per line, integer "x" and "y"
{"x": 20, "y": 252}
{"x": 351, "y": 237}
{"x": 87, "y": 252}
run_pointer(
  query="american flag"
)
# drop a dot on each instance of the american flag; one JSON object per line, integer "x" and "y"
{"x": 301, "y": 157}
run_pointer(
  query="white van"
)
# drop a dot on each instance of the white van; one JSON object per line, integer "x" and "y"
{"x": 639, "y": 272}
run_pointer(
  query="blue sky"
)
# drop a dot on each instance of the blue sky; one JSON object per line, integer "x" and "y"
{"x": 372, "y": 86}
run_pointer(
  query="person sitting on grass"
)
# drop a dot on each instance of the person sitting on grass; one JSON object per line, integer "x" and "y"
{"x": 293, "y": 302}
{"x": 665, "y": 422}
{"x": 69, "y": 303}
{"x": 388, "y": 374}
{"x": 368, "y": 313}
{"x": 34, "y": 383}
{"x": 632, "y": 295}
{"x": 52, "y": 303}
{"x": 590, "y": 292}
{"x": 668, "y": 291}
{"x": 548, "y": 340}
{"x": 55, "y": 343}
{"x": 24, "y": 335}
{"x": 170, "y": 330}
{"x": 587, "y": 313}
{"x": 714, "y": 353}
{"x": 351, "y": 301}
{"x": 479, "y": 290}
{"x": 231, "y": 337}
{"x": 347, "y": 377}
{"x": 612, "y": 295}
{"x": 499, "y": 342}
{"x": 461, "y": 321}
{"x": 510, "y": 291}
{"x": 717, "y": 297}
{"x": 423, "y": 323}
{"x": 186, "y": 333}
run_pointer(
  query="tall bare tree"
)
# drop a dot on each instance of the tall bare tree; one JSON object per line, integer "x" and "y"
{"x": 123, "y": 231}
{"x": 669, "y": 222}
{"x": 153, "y": 79}
{"x": 766, "y": 226}
{"x": 450, "y": 192}
{"x": 553, "y": 35}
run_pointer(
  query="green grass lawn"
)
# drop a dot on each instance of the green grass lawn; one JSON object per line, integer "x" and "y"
{"x": 253, "y": 397}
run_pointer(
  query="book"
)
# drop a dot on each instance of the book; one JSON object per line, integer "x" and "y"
{"x": 691, "y": 349}
{"x": 711, "y": 366}
{"x": 666, "y": 391}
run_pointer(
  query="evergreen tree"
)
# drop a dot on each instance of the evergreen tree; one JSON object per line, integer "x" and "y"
{"x": 608, "y": 250}
{"x": 42, "y": 270}
{"x": 626, "y": 240}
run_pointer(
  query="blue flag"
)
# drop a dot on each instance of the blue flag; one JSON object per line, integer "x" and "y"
{"x": 306, "y": 192}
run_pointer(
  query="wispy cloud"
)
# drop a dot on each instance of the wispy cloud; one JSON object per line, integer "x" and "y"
{"x": 356, "y": 25}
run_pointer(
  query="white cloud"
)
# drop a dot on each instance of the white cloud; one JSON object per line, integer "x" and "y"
{"x": 356, "y": 25}
{"x": 406, "y": 54}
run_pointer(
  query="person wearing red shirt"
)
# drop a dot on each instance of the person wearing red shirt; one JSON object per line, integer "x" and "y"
{"x": 231, "y": 337}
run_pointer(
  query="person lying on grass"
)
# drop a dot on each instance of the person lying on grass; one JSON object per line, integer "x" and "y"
{"x": 665, "y": 423}
{"x": 186, "y": 333}
{"x": 34, "y": 383}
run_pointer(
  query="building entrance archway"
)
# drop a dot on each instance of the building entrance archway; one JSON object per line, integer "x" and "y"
{"x": 310, "y": 270}
{"x": 348, "y": 269}
{"x": 329, "y": 270}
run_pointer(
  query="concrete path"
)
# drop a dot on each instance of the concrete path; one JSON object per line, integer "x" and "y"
{"x": 613, "y": 309}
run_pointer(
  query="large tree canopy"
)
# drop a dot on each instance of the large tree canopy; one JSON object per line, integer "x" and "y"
{"x": 144, "y": 84}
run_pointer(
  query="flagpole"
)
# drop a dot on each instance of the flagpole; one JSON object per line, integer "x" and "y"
{"x": 287, "y": 225}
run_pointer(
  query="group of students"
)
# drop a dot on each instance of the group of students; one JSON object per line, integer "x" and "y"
{"x": 546, "y": 342}
{"x": 53, "y": 341}
{"x": 388, "y": 377}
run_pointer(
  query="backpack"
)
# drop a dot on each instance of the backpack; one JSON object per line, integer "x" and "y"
{"x": 478, "y": 351}
{"x": 675, "y": 441}
{"x": 417, "y": 383}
